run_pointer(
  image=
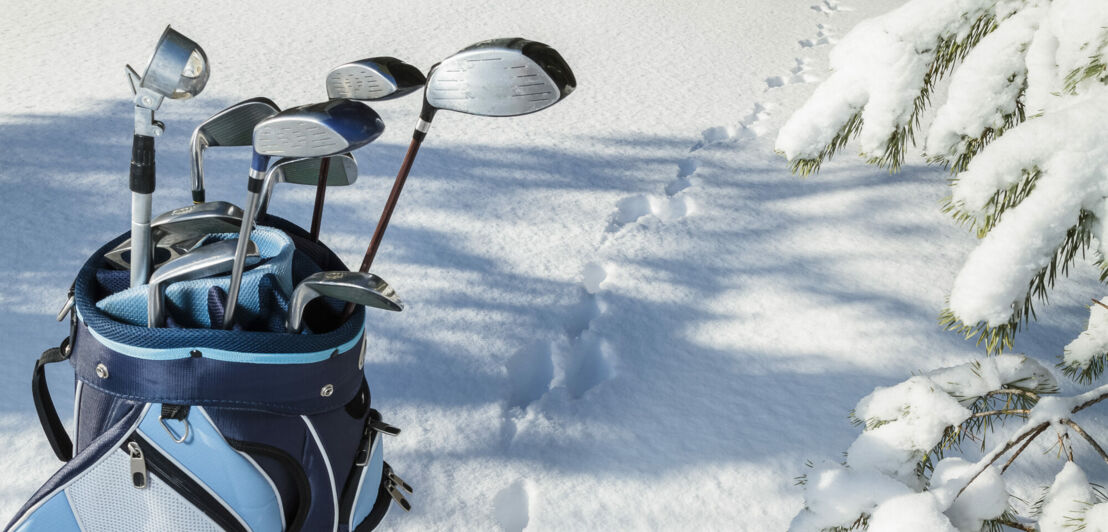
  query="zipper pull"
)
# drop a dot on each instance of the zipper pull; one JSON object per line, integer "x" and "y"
{"x": 138, "y": 465}
{"x": 390, "y": 486}
{"x": 399, "y": 481}
{"x": 384, "y": 428}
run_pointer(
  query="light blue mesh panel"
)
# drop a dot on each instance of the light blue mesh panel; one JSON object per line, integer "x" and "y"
{"x": 275, "y": 250}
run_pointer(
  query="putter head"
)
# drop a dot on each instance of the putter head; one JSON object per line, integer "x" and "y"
{"x": 233, "y": 126}
{"x": 200, "y": 219}
{"x": 179, "y": 68}
{"x": 499, "y": 77}
{"x": 205, "y": 261}
{"x": 318, "y": 130}
{"x": 353, "y": 287}
{"x": 342, "y": 170}
{"x": 376, "y": 78}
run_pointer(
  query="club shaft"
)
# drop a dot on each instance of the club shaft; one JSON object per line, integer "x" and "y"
{"x": 142, "y": 253}
{"x": 390, "y": 205}
{"x": 320, "y": 195}
{"x": 239, "y": 264}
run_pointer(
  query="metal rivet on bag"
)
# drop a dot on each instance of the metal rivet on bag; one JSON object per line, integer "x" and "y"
{"x": 327, "y": 391}
{"x": 195, "y": 353}
{"x": 102, "y": 371}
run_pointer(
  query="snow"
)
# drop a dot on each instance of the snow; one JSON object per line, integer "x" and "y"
{"x": 917, "y": 512}
{"x": 986, "y": 498}
{"x": 1069, "y": 496}
{"x": 982, "y": 92}
{"x": 1091, "y": 343}
{"x": 624, "y": 313}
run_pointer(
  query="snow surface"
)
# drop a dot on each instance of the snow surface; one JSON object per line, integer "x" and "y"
{"x": 623, "y": 312}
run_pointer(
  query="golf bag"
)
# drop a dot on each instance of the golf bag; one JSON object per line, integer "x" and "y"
{"x": 190, "y": 427}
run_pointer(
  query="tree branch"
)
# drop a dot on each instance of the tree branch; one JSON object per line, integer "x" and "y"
{"x": 1017, "y": 526}
{"x": 1013, "y": 391}
{"x": 1021, "y": 449}
{"x": 1077, "y": 428}
{"x": 1009, "y": 412}
{"x": 988, "y": 459}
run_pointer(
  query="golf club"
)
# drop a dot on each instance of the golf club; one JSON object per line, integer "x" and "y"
{"x": 233, "y": 126}
{"x": 205, "y": 261}
{"x": 373, "y": 79}
{"x": 314, "y": 130}
{"x": 353, "y": 287}
{"x": 499, "y": 77}
{"x": 178, "y": 69}
{"x": 187, "y": 224}
{"x": 341, "y": 170}
{"x": 166, "y": 248}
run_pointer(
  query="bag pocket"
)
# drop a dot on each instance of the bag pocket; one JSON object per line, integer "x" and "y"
{"x": 139, "y": 478}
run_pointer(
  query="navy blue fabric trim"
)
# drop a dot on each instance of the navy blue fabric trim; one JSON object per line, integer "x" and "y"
{"x": 87, "y": 291}
{"x": 282, "y": 388}
{"x": 106, "y": 442}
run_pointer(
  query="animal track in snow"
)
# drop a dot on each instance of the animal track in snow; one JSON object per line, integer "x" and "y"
{"x": 530, "y": 372}
{"x": 665, "y": 208}
{"x": 829, "y": 7}
{"x": 579, "y": 361}
{"x": 825, "y": 35}
{"x": 511, "y": 507}
{"x": 801, "y": 72}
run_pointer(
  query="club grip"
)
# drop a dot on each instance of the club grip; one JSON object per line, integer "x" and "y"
{"x": 142, "y": 165}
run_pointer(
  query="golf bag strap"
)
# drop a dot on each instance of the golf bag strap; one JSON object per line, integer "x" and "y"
{"x": 44, "y": 405}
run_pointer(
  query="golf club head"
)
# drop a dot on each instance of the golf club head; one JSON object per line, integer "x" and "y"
{"x": 353, "y": 287}
{"x": 318, "y": 130}
{"x": 499, "y": 77}
{"x": 233, "y": 126}
{"x": 205, "y": 261}
{"x": 342, "y": 170}
{"x": 200, "y": 219}
{"x": 179, "y": 68}
{"x": 376, "y": 78}
{"x": 166, "y": 248}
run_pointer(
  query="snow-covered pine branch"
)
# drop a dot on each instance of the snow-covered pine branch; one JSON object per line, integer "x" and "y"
{"x": 1022, "y": 129}
{"x": 888, "y": 480}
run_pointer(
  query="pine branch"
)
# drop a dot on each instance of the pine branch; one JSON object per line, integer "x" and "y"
{"x": 1094, "y": 69}
{"x": 948, "y": 52}
{"x": 1092, "y": 443}
{"x": 807, "y": 167}
{"x": 996, "y": 339}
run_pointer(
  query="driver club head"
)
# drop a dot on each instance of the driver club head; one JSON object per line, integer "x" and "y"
{"x": 205, "y": 261}
{"x": 499, "y": 77}
{"x": 353, "y": 287}
{"x": 342, "y": 170}
{"x": 318, "y": 129}
{"x": 233, "y": 126}
{"x": 376, "y": 78}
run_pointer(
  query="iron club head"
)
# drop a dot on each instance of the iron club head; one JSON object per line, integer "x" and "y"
{"x": 353, "y": 287}
{"x": 233, "y": 126}
{"x": 342, "y": 170}
{"x": 205, "y": 261}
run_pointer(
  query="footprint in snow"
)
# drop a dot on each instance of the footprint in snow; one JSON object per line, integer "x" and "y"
{"x": 663, "y": 208}
{"x": 801, "y": 72}
{"x": 829, "y": 7}
{"x": 511, "y": 507}
{"x": 825, "y": 35}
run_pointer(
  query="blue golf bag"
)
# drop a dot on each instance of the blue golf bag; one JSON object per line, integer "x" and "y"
{"x": 190, "y": 427}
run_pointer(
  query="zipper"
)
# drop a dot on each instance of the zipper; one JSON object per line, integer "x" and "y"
{"x": 138, "y": 465}
{"x": 145, "y": 459}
